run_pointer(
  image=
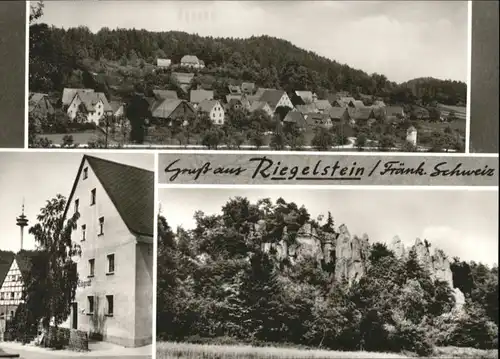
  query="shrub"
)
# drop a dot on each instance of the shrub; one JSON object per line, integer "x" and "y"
{"x": 411, "y": 337}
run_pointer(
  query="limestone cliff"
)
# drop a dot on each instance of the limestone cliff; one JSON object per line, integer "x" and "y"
{"x": 351, "y": 255}
{"x": 437, "y": 263}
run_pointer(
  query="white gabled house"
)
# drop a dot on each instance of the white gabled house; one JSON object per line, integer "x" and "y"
{"x": 214, "y": 109}
{"x": 93, "y": 105}
{"x": 114, "y": 296}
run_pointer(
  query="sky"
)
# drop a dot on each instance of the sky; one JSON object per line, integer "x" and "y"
{"x": 400, "y": 39}
{"x": 462, "y": 223}
{"x": 38, "y": 177}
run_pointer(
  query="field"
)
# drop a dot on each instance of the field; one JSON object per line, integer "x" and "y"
{"x": 169, "y": 350}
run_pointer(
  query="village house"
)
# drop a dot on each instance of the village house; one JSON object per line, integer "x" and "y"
{"x": 411, "y": 135}
{"x": 192, "y": 61}
{"x": 363, "y": 115}
{"x": 378, "y": 103}
{"x": 420, "y": 113}
{"x": 234, "y": 102}
{"x": 163, "y": 63}
{"x": 339, "y": 114}
{"x": 318, "y": 120}
{"x": 343, "y": 101}
{"x": 275, "y": 99}
{"x": 14, "y": 271}
{"x": 214, "y": 109}
{"x": 322, "y": 105}
{"x": 93, "y": 105}
{"x": 309, "y": 108}
{"x": 306, "y": 96}
{"x": 39, "y": 104}
{"x": 394, "y": 111}
{"x": 118, "y": 108}
{"x": 248, "y": 88}
{"x": 69, "y": 94}
{"x": 169, "y": 110}
{"x": 158, "y": 97}
{"x": 164, "y": 94}
{"x": 183, "y": 79}
{"x": 234, "y": 89}
{"x": 115, "y": 233}
{"x": 261, "y": 105}
{"x": 356, "y": 104}
{"x": 197, "y": 96}
{"x": 295, "y": 118}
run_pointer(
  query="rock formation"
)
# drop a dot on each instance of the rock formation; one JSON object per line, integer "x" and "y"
{"x": 398, "y": 247}
{"x": 437, "y": 264}
{"x": 351, "y": 254}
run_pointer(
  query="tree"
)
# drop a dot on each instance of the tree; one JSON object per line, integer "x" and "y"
{"x": 256, "y": 138}
{"x": 322, "y": 139}
{"x": 386, "y": 142}
{"x": 213, "y": 138}
{"x": 137, "y": 111}
{"x": 67, "y": 141}
{"x": 167, "y": 284}
{"x": 53, "y": 278}
{"x": 278, "y": 141}
{"x": 361, "y": 141}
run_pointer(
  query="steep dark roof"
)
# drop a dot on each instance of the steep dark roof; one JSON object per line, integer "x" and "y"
{"x": 6, "y": 258}
{"x": 272, "y": 97}
{"x": 337, "y": 113}
{"x": 295, "y": 117}
{"x": 131, "y": 189}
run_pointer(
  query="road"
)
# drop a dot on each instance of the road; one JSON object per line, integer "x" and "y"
{"x": 26, "y": 354}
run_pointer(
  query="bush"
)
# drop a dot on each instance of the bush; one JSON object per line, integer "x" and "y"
{"x": 410, "y": 337}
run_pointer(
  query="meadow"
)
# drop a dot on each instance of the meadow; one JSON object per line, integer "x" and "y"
{"x": 171, "y": 350}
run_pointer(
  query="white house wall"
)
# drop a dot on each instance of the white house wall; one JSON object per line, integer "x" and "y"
{"x": 118, "y": 240}
{"x": 11, "y": 291}
{"x": 217, "y": 114}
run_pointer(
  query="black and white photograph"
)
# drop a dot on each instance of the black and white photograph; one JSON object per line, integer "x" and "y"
{"x": 268, "y": 75}
{"x": 76, "y": 255}
{"x": 327, "y": 273}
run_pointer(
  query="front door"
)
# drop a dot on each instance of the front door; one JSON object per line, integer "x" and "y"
{"x": 74, "y": 315}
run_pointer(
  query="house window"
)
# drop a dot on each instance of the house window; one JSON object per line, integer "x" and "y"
{"x": 12, "y": 314}
{"x": 11, "y": 295}
{"x": 2, "y": 297}
{"x": 85, "y": 172}
{"x": 77, "y": 203}
{"x": 92, "y": 197}
{"x": 90, "y": 301}
{"x": 91, "y": 267}
{"x": 111, "y": 263}
{"x": 101, "y": 226}
{"x": 84, "y": 229}
{"x": 109, "y": 299}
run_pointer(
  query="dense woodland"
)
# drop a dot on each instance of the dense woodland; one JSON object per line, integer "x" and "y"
{"x": 58, "y": 56}
{"x": 216, "y": 285}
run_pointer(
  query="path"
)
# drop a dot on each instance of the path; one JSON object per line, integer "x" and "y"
{"x": 97, "y": 350}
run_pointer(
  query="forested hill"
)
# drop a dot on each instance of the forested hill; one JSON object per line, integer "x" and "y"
{"x": 267, "y": 61}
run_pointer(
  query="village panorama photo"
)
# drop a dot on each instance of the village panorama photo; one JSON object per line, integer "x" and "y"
{"x": 76, "y": 255}
{"x": 337, "y": 273}
{"x": 268, "y": 75}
